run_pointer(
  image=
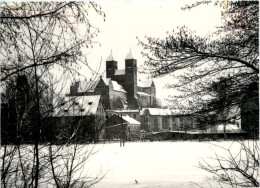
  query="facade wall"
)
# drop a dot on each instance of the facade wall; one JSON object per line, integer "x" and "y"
{"x": 103, "y": 90}
{"x": 131, "y": 78}
{"x": 144, "y": 101}
{"x": 146, "y": 123}
{"x": 153, "y": 97}
{"x": 115, "y": 126}
{"x": 88, "y": 128}
{"x": 147, "y": 101}
{"x": 170, "y": 123}
{"x": 147, "y": 90}
{"x": 74, "y": 88}
{"x": 100, "y": 117}
{"x": 121, "y": 79}
{"x": 111, "y": 67}
{"x": 116, "y": 98}
{"x": 158, "y": 123}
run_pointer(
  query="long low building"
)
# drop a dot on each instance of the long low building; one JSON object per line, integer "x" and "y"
{"x": 156, "y": 120}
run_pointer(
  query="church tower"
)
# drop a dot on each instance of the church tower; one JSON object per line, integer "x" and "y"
{"x": 111, "y": 66}
{"x": 131, "y": 77}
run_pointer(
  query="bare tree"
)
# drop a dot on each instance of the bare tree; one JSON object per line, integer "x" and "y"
{"x": 216, "y": 75}
{"x": 236, "y": 166}
{"x": 39, "y": 39}
{"x": 197, "y": 63}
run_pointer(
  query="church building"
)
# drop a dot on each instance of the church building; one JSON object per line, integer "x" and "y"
{"x": 120, "y": 89}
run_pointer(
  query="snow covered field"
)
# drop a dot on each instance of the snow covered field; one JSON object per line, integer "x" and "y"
{"x": 153, "y": 164}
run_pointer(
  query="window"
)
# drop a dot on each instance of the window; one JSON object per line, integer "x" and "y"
{"x": 134, "y": 115}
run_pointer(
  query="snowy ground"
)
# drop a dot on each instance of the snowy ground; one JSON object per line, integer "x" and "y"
{"x": 153, "y": 164}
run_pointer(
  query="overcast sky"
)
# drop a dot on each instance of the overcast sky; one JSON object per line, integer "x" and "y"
{"x": 126, "y": 20}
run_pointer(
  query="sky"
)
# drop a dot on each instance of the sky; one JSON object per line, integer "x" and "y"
{"x": 127, "y": 20}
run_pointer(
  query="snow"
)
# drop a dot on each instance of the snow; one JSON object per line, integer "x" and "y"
{"x": 142, "y": 93}
{"x": 106, "y": 80}
{"x": 79, "y": 105}
{"x": 152, "y": 164}
{"x": 147, "y": 83}
{"x": 157, "y": 111}
{"x": 131, "y": 120}
{"x": 117, "y": 87}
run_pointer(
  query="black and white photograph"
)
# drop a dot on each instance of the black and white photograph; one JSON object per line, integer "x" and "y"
{"x": 129, "y": 94}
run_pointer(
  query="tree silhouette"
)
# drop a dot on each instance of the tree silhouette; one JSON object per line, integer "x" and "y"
{"x": 46, "y": 43}
{"x": 199, "y": 64}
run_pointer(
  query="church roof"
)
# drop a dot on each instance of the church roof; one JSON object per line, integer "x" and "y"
{"x": 90, "y": 86}
{"x": 87, "y": 86}
{"x": 78, "y": 106}
{"x": 120, "y": 72}
{"x": 117, "y": 87}
{"x": 131, "y": 120}
{"x": 129, "y": 55}
{"x": 110, "y": 57}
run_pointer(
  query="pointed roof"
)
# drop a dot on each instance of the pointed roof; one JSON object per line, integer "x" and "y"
{"x": 87, "y": 86}
{"x": 110, "y": 57}
{"x": 90, "y": 85}
{"x": 129, "y": 55}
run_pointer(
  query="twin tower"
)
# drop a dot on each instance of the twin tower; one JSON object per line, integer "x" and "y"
{"x": 126, "y": 77}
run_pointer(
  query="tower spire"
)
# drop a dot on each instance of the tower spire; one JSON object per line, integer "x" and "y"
{"x": 129, "y": 55}
{"x": 110, "y": 57}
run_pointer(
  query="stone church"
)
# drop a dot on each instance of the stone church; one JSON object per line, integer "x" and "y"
{"x": 120, "y": 89}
